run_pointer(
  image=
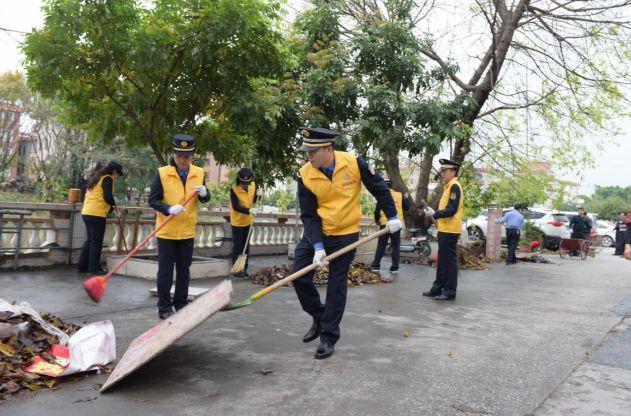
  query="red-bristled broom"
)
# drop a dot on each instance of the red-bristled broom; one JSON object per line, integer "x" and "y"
{"x": 95, "y": 286}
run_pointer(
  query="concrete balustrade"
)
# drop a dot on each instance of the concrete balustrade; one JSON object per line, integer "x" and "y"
{"x": 54, "y": 233}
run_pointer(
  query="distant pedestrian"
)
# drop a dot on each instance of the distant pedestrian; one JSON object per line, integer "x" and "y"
{"x": 580, "y": 225}
{"x": 621, "y": 229}
{"x": 514, "y": 221}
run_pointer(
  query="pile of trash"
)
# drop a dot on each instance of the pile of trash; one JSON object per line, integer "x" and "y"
{"x": 472, "y": 257}
{"x": 359, "y": 274}
{"x": 38, "y": 347}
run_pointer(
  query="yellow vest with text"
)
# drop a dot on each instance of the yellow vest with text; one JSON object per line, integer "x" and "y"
{"x": 94, "y": 203}
{"x": 453, "y": 224}
{"x": 398, "y": 202}
{"x": 246, "y": 200}
{"x": 338, "y": 199}
{"x": 182, "y": 226}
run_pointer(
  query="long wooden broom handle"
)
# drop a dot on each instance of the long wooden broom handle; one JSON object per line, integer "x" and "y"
{"x": 247, "y": 240}
{"x": 143, "y": 242}
{"x": 311, "y": 267}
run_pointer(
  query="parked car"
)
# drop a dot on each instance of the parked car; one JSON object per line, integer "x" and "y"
{"x": 606, "y": 230}
{"x": 553, "y": 225}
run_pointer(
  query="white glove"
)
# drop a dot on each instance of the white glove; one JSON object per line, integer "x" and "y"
{"x": 201, "y": 190}
{"x": 318, "y": 257}
{"x": 394, "y": 225}
{"x": 176, "y": 209}
{"x": 429, "y": 212}
{"x": 253, "y": 211}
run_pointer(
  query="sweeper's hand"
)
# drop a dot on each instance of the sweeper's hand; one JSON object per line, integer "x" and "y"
{"x": 176, "y": 209}
{"x": 394, "y": 225}
{"x": 318, "y": 258}
{"x": 202, "y": 191}
{"x": 429, "y": 212}
{"x": 253, "y": 211}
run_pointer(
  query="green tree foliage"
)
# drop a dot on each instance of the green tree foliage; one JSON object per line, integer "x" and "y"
{"x": 607, "y": 201}
{"x": 13, "y": 87}
{"x": 144, "y": 72}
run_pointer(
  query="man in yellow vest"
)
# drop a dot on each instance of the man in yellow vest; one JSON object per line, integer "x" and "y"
{"x": 329, "y": 188}
{"x": 242, "y": 198}
{"x": 176, "y": 240}
{"x": 402, "y": 204}
{"x": 449, "y": 223}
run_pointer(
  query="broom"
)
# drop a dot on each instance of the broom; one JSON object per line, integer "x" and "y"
{"x": 239, "y": 264}
{"x": 303, "y": 271}
{"x": 122, "y": 231}
{"x": 95, "y": 286}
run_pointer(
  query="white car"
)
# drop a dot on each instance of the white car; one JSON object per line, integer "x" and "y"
{"x": 553, "y": 225}
{"x": 606, "y": 230}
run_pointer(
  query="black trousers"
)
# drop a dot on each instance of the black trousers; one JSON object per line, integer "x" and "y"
{"x": 239, "y": 235}
{"x": 90, "y": 257}
{"x": 330, "y": 313}
{"x": 395, "y": 242}
{"x": 447, "y": 269}
{"x": 512, "y": 239}
{"x": 619, "y": 243}
{"x": 178, "y": 253}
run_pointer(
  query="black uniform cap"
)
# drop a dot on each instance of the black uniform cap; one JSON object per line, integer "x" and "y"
{"x": 116, "y": 167}
{"x": 183, "y": 144}
{"x": 245, "y": 175}
{"x": 315, "y": 138}
{"x": 446, "y": 164}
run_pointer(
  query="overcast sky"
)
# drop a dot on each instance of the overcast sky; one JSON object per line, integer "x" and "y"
{"x": 613, "y": 164}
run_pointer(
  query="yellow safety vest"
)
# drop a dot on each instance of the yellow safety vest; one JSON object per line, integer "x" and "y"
{"x": 182, "y": 226}
{"x": 338, "y": 199}
{"x": 453, "y": 224}
{"x": 398, "y": 202}
{"x": 246, "y": 200}
{"x": 94, "y": 203}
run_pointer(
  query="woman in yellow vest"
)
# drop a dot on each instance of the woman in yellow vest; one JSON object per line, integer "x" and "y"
{"x": 176, "y": 240}
{"x": 329, "y": 189}
{"x": 98, "y": 202}
{"x": 242, "y": 198}
{"x": 402, "y": 204}
{"x": 449, "y": 222}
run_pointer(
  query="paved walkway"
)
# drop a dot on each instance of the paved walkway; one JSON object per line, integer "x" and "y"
{"x": 519, "y": 340}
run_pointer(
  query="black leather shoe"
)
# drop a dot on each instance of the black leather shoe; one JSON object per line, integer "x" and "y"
{"x": 241, "y": 275}
{"x": 325, "y": 350}
{"x": 313, "y": 332}
{"x": 430, "y": 294}
{"x": 165, "y": 315}
{"x": 444, "y": 297}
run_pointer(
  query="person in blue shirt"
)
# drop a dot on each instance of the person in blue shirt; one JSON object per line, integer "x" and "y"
{"x": 514, "y": 222}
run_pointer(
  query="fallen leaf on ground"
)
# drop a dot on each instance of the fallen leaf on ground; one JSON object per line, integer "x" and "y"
{"x": 266, "y": 371}
{"x": 406, "y": 334}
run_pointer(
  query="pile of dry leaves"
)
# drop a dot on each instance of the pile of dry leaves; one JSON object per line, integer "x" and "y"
{"x": 21, "y": 340}
{"x": 358, "y": 275}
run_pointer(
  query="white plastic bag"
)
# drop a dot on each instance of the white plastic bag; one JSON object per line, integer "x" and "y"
{"x": 92, "y": 345}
